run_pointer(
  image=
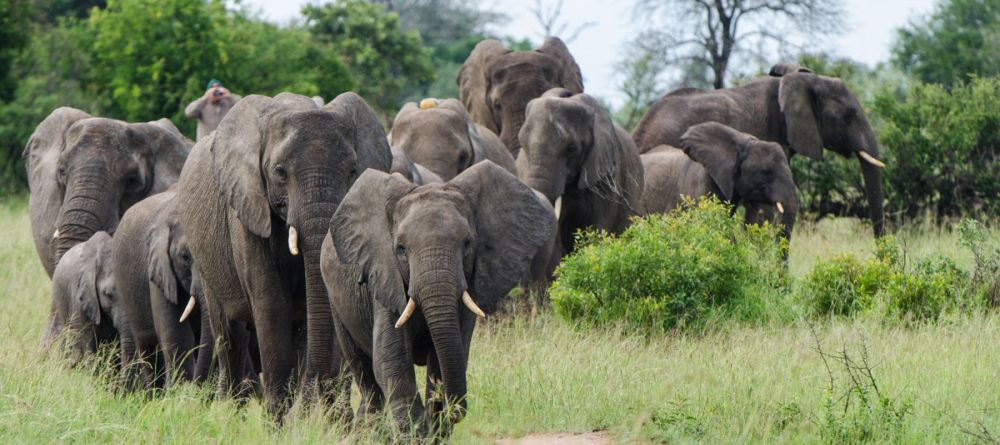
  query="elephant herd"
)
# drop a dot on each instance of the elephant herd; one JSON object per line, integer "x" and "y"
{"x": 299, "y": 248}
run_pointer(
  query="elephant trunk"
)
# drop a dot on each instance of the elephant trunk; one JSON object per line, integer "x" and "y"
{"x": 322, "y": 362}
{"x": 508, "y": 134}
{"x": 206, "y": 346}
{"x": 441, "y": 312}
{"x": 129, "y": 367}
{"x": 90, "y": 206}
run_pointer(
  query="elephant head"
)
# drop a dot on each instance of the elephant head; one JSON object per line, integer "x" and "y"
{"x": 84, "y": 172}
{"x": 442, "y": 251}
{"x": 822, "y": 112}
{"x": 440, "y": 135}
{"x": 568, "y": 140}
{"x": 283, "y": 164}
{"x": 96, "y": 292}
{"x": 171, "y": 267}
{"x": 744, "y": 168}
{"x": 496, "y": 83}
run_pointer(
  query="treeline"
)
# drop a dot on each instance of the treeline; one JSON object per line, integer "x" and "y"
{"x": 140, "y": 60}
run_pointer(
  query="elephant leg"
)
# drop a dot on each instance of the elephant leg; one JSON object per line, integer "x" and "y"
{"x": 272, "y": 319}
{"x": 393, "y": 368}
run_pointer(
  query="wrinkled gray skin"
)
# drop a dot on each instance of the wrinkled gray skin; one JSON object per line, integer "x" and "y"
{"x": 84, "y": 172}
{"x": 495, "y": 83}
{"x": 81, "y": 286}
{"x": 444, "y": 138}
{"x": 717, "y": 160}
{"x": 801, "y": 111}
{"x": 392, "y": 241}
{"x": 570, "y": 148}
{"x": 274, "y": 164}
{"x": 153, "y": 270}
{"x": 413, "y": 172}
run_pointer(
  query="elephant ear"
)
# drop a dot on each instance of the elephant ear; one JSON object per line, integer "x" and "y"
{"x": 569, "y": 71}
{"x": 796, "y": 99}
{"x": 364, "y": 129}
{"x": 511, "y": 225}
{"x": 781, "y": 69}
{"x": 362, "y": 233}
{"x": 166, "y": 148}
{"x": 160, "y": 272}
{"x": 236, "y": 149}
{"x": 712, "y": 145}
{"x": 485, "y": 144}
{"x": 94, "y": 255}
{"x": 606, "y": 146}
{"x": 473, "y": 81}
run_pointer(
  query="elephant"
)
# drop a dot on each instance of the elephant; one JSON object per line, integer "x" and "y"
{"x": 82, "y": 291}
{"x": 495, "y": 83}
{"x": 84, "y": 172}
{"x": 413, "y": 172}
{"x": 441, "y": 136}
{"x": 153, "y": 270}
{"x": 274, "y": 170}
{"x": 801, "y": 111}
{"x": 409, "y": 268}
{"x": 584, "y": 164}
{"x": 717, "y": 160}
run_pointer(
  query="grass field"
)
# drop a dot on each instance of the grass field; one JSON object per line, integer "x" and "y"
{"x": 529, "y": 374}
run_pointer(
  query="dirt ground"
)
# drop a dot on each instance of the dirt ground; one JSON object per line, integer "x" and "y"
{"x": 592, "y": 438}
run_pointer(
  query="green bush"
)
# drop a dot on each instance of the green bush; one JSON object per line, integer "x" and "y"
{"x": 885, "y": 286}
{"x": 668, "y": 271}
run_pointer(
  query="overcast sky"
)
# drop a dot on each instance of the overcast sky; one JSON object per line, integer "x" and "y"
{"x": 872, "y": 29}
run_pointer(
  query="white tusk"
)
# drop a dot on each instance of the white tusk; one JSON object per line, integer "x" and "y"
{"x": 55, "y": 235}
{"x": 870, "y": 159}
{"x": 188, "y": 309}
{"x": 781, "y": 208}
{"x": 407, "y": 313}
{"x": 558, "y": 207}
{"x": 293, "y": 240}
{"x": 467, "y": 299}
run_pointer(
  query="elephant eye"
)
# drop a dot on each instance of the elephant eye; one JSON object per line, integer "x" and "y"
{"x": 132, "y": 181}
{"x": 468, "y": 244}
{"x": 400, "y": 250}
{"x": 280, "y": 172}
{"x": 462, "y": 158}
{"x": 62, "y": 170}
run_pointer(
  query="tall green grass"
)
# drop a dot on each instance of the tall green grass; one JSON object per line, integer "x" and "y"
{"x": 533, "y": 373}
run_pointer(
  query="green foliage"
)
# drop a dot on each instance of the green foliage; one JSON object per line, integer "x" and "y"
{"x": 14, "y": 36}
{"x": 943, "y": 149}
{"x": 887, "y": 287}
{"x": 382, "y": 57}
{"x": 986, "y": 255}
{"x": 668, "y": 271}
{"x": 957, "y": 42}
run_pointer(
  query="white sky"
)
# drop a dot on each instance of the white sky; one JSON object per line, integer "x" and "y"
{"x": 872, "y": 29}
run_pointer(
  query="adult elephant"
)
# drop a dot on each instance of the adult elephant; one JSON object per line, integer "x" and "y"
{"x": 155, "y": 278}
{"x": 440, "y": 135}
{"x": 84, "y": 172}
{"x": 256, "y": 193}
{"x": 801, "y": 111}
{"x": 410, "y": 267}
{"x": 495, "y": 83}
{"x": 585, "y": 165}
{"x": 717, "y": 160}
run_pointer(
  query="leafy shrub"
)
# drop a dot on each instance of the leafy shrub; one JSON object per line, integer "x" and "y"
{"x": 885, "y": 286}
{"x": 986, "y": 252}
{"x": 667, "y": 271}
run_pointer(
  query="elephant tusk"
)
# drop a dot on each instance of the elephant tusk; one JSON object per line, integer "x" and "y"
{"x": 781, "y": 208}
{"x": 407, "y": 313}
{"x": 558, "y": 207}
{"x": 469, "y": 303}
{"x": 293, "y": 240}
{"x": 870, "y": 159}
{"x": 188, "y": 309}
{"x": 55, "y": 235}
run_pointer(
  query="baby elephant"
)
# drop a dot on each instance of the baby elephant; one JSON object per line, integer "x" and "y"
{"x": 83, "y": 290}
{"x": 409, "y": 268}
{"x": 157, "y": 285}
{"x": 721, "y": 161}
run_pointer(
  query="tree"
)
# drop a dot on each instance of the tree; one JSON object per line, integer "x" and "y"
{"x": 383, "y": 58}
{"x": 641, "y": 70}
{"x": 548, "y": 17}
{"x": 14, "y": 32}
{"x": 961, "y": 39}
{"x": 709, "y": 34}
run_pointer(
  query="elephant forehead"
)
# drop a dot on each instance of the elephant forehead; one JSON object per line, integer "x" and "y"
{"x": 429, "y": 121}
{"x": 433, "y": 198}
{"x": 98, "y": 132}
